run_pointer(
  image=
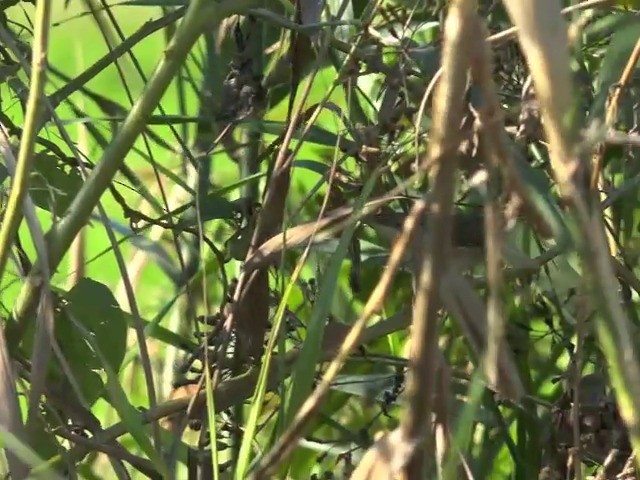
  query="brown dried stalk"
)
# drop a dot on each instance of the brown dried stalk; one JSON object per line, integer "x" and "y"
{"x": 490, "y": 132}
{"x": 544, "y": 40}
{"x": 447, "y": 117}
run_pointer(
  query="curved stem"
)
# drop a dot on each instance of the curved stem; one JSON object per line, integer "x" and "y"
{"x": 13, "y": 215}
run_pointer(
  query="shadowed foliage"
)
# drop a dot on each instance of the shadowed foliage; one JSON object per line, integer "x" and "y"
{"x": 363, "y": 239}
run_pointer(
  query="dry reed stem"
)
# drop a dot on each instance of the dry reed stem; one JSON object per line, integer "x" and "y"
{"x": 448, "y": 107}
{"x": 490, "y": 126}
{"x": 544, "y": 41}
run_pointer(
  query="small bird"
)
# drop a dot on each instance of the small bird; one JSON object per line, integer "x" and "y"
{"x": 468, "y": 236}
{"x": 468, "y": 233}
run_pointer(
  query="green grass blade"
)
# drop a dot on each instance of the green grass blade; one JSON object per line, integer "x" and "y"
{"x": 27, "y": 456}
{"x": 304, "y": 371}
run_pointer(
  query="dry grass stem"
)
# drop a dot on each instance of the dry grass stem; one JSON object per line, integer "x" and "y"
{"x": 543, "y": 36}
{"x": 436, "y": 247}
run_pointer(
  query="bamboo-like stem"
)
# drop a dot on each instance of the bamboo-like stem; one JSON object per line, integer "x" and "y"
{"x": 13, "y": 215}
{"x": 491, "y": 126}
{"x": 19, "y": 185}
{"x": 200, "y": 15}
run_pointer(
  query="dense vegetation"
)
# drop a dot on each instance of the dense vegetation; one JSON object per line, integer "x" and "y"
{"x": 361, "y": 239}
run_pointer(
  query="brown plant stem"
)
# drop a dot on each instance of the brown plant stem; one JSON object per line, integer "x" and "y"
{"x": 448, "y": 106}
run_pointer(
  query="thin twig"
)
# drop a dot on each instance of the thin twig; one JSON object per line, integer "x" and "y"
{"x": 612, "y": 112}
{"x": 113, "y": 450}
{"x": 511, "y": 33}
{"x": 83, "y": 78}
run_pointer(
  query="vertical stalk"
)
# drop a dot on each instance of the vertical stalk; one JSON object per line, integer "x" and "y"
{"x": 19, "y": 185}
